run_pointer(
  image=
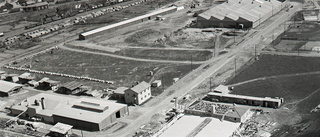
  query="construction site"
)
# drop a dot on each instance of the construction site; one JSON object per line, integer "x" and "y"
{"x": 154, "y": 67}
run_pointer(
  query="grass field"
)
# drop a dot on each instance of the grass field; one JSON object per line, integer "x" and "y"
{"x": 270, "y": 65}
{"x": 157, "y": 54}
{"x": 164, "y": 54}
{"x": 303, "y": 31}
{"x": 301, "y": 90}
{"x": 122, "y": 72}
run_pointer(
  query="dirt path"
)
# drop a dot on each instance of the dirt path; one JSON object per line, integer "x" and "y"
{"x": 130, "y": 58}
{"x": 295, "y": 103}
{"x": 272, "y": 77}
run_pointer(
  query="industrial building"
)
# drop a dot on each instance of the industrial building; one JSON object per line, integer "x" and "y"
{"x": 222, "y": 111}
{"x": 245, "y": 100}
{"x": 240, "y": 13}
{"x": 126, "y": 23}
{"x": 83, "y": 113}
{"x": 138, "y": 94}
{"x": 8, "y": 88}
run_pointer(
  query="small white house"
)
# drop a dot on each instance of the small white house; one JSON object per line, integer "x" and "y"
{"x": 156, "y": 83}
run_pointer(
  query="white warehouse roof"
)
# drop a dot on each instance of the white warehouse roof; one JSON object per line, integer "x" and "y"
{"x": 127, "y": 21}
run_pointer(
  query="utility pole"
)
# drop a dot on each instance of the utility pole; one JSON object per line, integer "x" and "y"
{"x": 191, "y": 63}
{"x": 234, "y": 35}
{"x": 235, "y": 67}
{"x": 210, "y": 84}
{"x": 162, "y": 82}
{"x": 214, "y": 45}
{"x": 255, "y": 52}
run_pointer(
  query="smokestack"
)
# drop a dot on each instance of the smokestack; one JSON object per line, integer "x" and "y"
{"x": 42, "y": 102}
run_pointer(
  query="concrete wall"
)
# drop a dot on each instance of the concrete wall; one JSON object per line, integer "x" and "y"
{"x": 83, "y": 125}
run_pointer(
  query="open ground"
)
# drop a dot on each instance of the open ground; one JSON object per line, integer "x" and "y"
{"x": 293, "y": 78}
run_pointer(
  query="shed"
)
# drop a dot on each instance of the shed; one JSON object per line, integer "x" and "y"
{"x": 12, "y": 77}
{"x": 70, "y": 87}
{"x": 175, "y": 79}
{"x": 119, "y": 92}
{"x": 25, "y": 78}
{"x": 60, "y": 130}
{"x": 33, "y": 83}
{"x": 47, "y": 84}
{"x": 8, "y": 88}
{"x": 222, "y": 89}
{"x": 156, "y": 83}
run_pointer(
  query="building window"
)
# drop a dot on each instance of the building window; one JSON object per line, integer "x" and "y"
{"x": 148, "y": 93}
{"x": 142, "y": 98}
{"x": 145, "y": 96}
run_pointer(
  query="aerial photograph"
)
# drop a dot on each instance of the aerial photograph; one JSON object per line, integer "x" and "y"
{"x": 159, "y": 68}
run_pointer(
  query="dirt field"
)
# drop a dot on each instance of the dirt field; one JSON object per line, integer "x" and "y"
{"x": 294, "y": 79}
{"x": 122, "y": 72}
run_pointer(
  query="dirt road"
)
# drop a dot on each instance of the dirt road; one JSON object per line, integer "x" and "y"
{"x": 194, "y": 78}
{"x": 197, "y": 76}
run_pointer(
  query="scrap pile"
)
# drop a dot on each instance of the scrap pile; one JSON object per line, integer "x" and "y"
{"x": 221, "y": 109}
{"x": 202, "y": 106}
{"x": 248, "y": 128}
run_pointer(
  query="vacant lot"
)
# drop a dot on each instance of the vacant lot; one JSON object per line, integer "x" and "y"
{"x": 293, "y": 78}
{"x": 166, "y": 54}
{"x": 122, "y": 72}
{"x": 270, "y": 65}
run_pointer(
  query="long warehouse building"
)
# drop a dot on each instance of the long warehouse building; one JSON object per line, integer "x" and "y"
{"x": 146, "y": 17}
{"x": 240, "y": 13}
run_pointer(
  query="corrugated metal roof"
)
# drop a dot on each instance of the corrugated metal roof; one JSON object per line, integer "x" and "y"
{"x": 242, "y": 10}
{"x": 72, "y": 85}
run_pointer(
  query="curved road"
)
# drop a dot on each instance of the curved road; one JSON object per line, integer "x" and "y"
{"x": 131, "y": 58}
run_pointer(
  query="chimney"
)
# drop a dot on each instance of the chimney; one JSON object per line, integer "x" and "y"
{"x": 42, "y": 102}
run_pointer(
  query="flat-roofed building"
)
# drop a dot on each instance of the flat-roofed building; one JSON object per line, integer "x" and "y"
{"x": 8, "y": 88}
{"x": 83, "y": 113}
{"x": 246, "y": 100}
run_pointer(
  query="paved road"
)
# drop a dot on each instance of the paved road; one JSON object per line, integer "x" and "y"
{"x": 194, "y": 78}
